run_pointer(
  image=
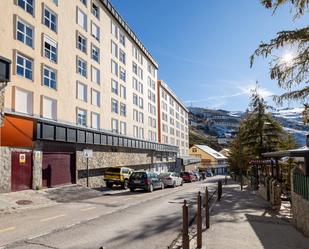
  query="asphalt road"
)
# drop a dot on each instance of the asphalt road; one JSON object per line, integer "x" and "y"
{"x": 123, "y": 220}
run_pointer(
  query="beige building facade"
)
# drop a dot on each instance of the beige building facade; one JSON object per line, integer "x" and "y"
{"x": 173, "y": 119}
{"x": 77, "y": 62}
{"x": 80, "y": 81}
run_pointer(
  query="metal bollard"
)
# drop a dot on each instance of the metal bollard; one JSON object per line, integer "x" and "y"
{"x": 185, "y": 226}
{"x": 199, "y": 220}
{"x": 207, "y": 208}
{"x": 219, "y": 190}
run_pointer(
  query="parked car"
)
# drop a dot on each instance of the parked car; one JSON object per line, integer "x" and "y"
{"x": 171, "y": 179}
{"x": 117, "y": 176}
{"x": 198, "y": 176}
{"x": 187, "y": 176}
{"x": 209, "y": 174}
{"x": 148, "y": 181}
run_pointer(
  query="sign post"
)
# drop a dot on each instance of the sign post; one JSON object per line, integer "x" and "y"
{"x": 87, "y": 154}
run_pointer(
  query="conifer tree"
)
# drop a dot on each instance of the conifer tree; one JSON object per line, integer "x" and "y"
{"x": 292, "y": 71}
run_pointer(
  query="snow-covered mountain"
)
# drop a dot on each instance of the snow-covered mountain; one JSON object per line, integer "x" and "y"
{"x": 222, "y": 123}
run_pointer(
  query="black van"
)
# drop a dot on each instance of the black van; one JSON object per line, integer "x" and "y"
{"x": 145, "y": 180}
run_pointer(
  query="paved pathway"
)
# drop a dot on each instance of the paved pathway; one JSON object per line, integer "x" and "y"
{"x": 243, "y": 220}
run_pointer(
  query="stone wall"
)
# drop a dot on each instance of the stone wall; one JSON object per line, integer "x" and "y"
{"x": 104, "y": 157}
{"x": 5, "y": 169}
{"x": 2, "y": 88}
{"x": 37, "y": 170}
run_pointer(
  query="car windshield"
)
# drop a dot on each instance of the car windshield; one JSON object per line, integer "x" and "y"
{"x": 113, "y": 170}
{"x": 138, "y": 175}
{"x": 165, "y": 174}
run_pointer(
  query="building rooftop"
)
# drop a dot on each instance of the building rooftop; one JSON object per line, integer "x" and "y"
{"x": 210, "y": 151}
{"x": 127, "y": 28}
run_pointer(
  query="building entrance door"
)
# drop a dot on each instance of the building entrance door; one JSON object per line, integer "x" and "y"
{"x": 21, "y": 171}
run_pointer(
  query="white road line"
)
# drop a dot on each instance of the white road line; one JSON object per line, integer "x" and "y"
{"x": 87, "y": 209}
{"x": 7, "y": 229}
{"x": 53, "y": 217}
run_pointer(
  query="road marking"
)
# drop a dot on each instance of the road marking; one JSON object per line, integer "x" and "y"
{"x": 87, "y": 209}
{"x": 52, "y": 218}
{"x": 7, "y": 229}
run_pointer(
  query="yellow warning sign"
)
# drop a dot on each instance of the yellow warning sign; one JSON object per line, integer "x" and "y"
{"x": 22, "y": 158}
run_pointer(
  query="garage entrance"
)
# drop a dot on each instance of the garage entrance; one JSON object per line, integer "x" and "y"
{"x": 21, "y": 171}
{"x": 58, "y": 169}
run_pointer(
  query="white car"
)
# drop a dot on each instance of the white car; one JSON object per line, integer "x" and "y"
{"x": 171, "y": 179}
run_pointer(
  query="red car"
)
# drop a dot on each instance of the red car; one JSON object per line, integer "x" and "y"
{"x": 188, "y": 176}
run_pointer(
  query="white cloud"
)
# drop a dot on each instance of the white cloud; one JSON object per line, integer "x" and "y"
{"x": 244, "y": 88}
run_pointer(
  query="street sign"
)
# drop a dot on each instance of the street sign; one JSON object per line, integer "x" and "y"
{"x": 22, "y": 158}
{"x": 87, "y": 153}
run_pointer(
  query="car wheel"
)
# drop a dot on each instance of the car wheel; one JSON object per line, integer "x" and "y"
{"x": 131, "y": 189}
{"x": 125, "y": 184}
{"x": 109, "y": 184}
{"x": 174, "y": 184}
{"x": 150, "y": 188}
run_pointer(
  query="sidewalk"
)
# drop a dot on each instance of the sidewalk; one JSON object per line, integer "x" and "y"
{"x": 243, "y": 220}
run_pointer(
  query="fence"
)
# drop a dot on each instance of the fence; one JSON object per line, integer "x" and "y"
{"x": 301, "y": 185}
{"x": 199, "y": 216}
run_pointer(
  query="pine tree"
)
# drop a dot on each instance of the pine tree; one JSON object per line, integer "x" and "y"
{"x": 292, "y": 74}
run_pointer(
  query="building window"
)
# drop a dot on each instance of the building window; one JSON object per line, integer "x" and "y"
{"x": 114, "y": 86}
{"x": 114, "y": 68}
{"x": 82, "y": 67}
{"x": 50, "y": 49}
{"x": 123, "y": 128}
{"x": 135, "y": 115}
{"x": 27, "y": 5}
{"x": 95, "y": 10}
{"x": 141, "y": 103}
{"x": 122, "y": 74}
{"x": 95, "y": 53}
{"x": 140, "y": 87}
{"x": 135, "y": 131}
{"x": 95, "y": 75}
{"x": 123, "y": 92}
{"x": 95, "y": 31}
{"x": 122, "y": 57}
{"x": 49, "y": 77}
{"x": 115, "y": 128}
{"x": 82, "y": 91}
{"x": 81, "y": 117}
{"x": 23, "y": 101}
{"x": 81, "y": 43}
{"x": 122, "y": 38}
{"x": 140, "y": 73}
{"x": 95, "y": 120}
{"x": 95, "y": 98}
{"x": 135, "y": 99}
{"x": 123, "y": 110}
{"x": 141, "y": 117}
{"x": 24, "y": 66}
{"x": 82, "y": 19}
{"x": 141, "y": 133}
{"x": 114, "y": 49}
{"x": 114, "y": 30}
{"x": 50, "y": 19}
{"x": 49, "y": 108}
{"x": 24, "y": 33}
{"x": 84, "y": 2}
{"x": 134, "y": 68}
{"x": 114, "y": 106}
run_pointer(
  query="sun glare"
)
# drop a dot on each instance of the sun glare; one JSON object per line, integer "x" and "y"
{"x": 287, "y": 58}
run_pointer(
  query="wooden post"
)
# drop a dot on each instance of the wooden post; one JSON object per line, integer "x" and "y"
{"x": 199, "y": 220}
{"x": 185, "y": 226}
{"x": 207, "y": 208}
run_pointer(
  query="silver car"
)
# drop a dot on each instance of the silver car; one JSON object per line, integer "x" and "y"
{"x": 171, "y": 179}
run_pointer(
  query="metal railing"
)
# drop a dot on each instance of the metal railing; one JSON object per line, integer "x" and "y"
{"x": 301, "y": 185}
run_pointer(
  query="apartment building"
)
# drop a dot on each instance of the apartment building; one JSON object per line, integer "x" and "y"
{"x": 173, "y": 119}
{"x": 81, "y": 79}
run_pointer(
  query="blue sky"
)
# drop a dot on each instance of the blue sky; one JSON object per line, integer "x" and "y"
{"x": 203, "y": 46}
